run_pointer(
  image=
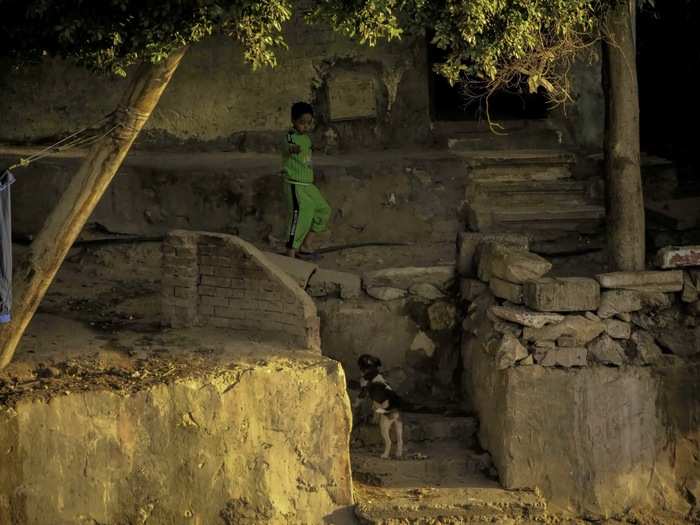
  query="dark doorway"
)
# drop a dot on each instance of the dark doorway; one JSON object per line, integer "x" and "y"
{"x": 668, "y": 105}
{"x": 448, "y": 103}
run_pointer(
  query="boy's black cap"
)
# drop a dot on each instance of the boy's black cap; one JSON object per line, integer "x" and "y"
{"x": 301, "y": 108}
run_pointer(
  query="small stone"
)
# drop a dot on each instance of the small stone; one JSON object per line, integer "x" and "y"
{"x": 694, "y": 308}
{"x": 617, "y": 329}
{"x": 442, "y": 315}
{"x": 648, "y": 351}
{"x": 48, "y": 372}
{"x": 504, "y": 327}
{"x": 470, "y": 289}
{"x": 567, "y": 341}
{"x": 606, "y": 351}
{"x": 426, "y": 291}
{"x": 423, "y": 344}
{"x": 332, "y": 283}
{"x": 624, "y": 316}
{"x": 645, "y": 321}
{"x": 613, "y": 302}
{"x": 505, "y": 290}
{"x": 509, "y": 351}
{"x": 678, "y": 256}
{"x": 693, "y": 488}
{"x": 529, "y": 360}
{"x": 468, "y": 242}
{"x": 591, "y": 316}
{"x": 525, "y": 317}
{"x": 690, "y": 291}
{"x": 653, "y": 281}
{"x": 565, "y": 357}
{"x": 510, "y": 264}
{"x": 386, "y": 293}
{"x": 695, "y": 277}
{"x": 656, "y": 299}
{"x": 562, "y": 294}
{"x": 582, "y": 331}
{"x": 544, "y": 344}
{"x": 683, "y": 342}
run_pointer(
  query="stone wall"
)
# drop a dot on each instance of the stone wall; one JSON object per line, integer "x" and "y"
{"x": 242, "y": 440}
{"x": 405, "y": 316}
{"x": 576, "y": 380}
{"x": 222, "y": 281}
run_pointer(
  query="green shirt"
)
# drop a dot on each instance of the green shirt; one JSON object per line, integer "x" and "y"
{"x": 297, "y": 166}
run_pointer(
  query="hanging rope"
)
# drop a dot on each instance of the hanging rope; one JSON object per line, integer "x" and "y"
{"x": 86, "y": 136}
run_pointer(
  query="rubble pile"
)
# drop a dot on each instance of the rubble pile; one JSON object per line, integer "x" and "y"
{"x": 524, "y": 317}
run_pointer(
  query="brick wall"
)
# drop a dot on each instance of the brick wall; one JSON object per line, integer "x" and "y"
{"x": 222, "y": 281}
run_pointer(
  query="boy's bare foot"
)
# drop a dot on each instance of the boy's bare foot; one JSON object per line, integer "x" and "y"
{"x": 308, "y": 244}
{"x": 315, "y": 241}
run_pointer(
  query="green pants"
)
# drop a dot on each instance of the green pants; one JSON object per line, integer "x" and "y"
{"x": 308, "y": 211}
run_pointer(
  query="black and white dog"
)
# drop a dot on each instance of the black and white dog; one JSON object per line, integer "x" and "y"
{"x": 386, "y": 404}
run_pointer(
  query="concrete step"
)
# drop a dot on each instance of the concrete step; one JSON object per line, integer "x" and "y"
{"x": 475, "y": 501}
{"x": 439, "y": 480}
{"x": 488, "y": 189}
{"x": 467, "y": 136}
{"x": 474, "y": 159}
{"x": 427, "y": 464}
{"x": 446, "y": 486}
{"x": 581, "y": 217}
{"x": 489, "y": 141}
{"x": 419, "y": 428}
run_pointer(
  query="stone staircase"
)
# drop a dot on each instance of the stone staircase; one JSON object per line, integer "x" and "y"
{"x": 512, "y": 134}
{"x": 531, "y": 191}
{"x": 442, "y": 478}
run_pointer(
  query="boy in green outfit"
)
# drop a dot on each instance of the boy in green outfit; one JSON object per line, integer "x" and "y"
{"x": 309, "y": 212}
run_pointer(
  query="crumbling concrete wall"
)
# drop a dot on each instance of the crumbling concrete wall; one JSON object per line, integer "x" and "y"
{"x": 256, "y": 440}
{"x": 220, "y": 280}
{"x": 585, "y": 388}
{"x": 216, "y": 97}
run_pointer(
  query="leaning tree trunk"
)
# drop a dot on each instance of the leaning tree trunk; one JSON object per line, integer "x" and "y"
{"x": 625, "y": 204}
{"x": 63, "y": 225}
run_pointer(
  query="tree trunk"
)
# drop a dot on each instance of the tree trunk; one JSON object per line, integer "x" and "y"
{"x": 625, "y": 204}
{"x": 65, "y": 222}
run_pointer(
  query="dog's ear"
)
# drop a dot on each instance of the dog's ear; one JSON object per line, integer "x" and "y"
{"x": 364, "y": 361}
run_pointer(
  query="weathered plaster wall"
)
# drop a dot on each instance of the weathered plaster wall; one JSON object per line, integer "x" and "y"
{"x": 596, "y": 441}
{"x": 256, "y": 440}
{"x": 215, "y": 96}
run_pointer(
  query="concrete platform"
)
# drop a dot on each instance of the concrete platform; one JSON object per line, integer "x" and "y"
{"x": 182, "y": 426}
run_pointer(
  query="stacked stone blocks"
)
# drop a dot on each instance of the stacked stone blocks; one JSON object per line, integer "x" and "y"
{"x": 570, "y": 376}
{"x": 576, "y": 321}
{"x": 222, "y": 281}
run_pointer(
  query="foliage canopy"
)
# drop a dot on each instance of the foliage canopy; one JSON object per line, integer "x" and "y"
{"x": 493, "y": 44}
{"x": 498, "y": 43}
{"x": 110, "y": 35}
